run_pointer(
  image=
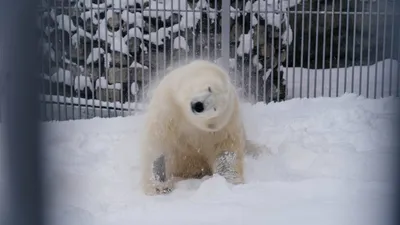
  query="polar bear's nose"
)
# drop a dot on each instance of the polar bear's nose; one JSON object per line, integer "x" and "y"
{"x": 197, "y": 107}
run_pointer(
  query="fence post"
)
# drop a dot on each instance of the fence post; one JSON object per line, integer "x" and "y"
{"x": 21, "y": 157}
{"x": 225, "y": 30}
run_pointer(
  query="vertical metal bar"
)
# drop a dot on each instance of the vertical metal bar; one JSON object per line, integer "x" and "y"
{"x": 243, "y": 33}
{"x": 186, "y": 34}
{"x": 294, "y": 48}
{"x": 281, "y": 15}
{"x": 194, "y": 33}
{"x": 273, "y": 55}
{"x": 21, "y": 133}
{"x": 323, "y": 51}
{"x": 369, "y": 46}
{"x": 287, "y": 51}
{"x": 172, "y": 39}
{"x": 108, "y": 65}
{"x": 251, "y": 48}
{"x": 113, "y": 58}
{"x": 85, "y": 65}
{"x": 376, "y": 52}
{"x": 63, "y": 61}
{"x": 338, "y": 49}
{"x": 92, "y": 67}
{"x": 225, "y": 24}
{"x": 391, "y": 50}
{"x": 201, "y": 30}
{"x": 354, "y": 45}
{"x": 165, "y": 35}
{"x": 121, "y": 60}
{"x": 258, "y": 51}
{"x": 157, "y": 27}
{"x": 56, "y": 61}
{"x": 150, "y": 46}
{"x": 142, "y": 54}
{"x": 265, "y": 66}
{"x": 179, "y": 33}
{"x": 236, "y": 37}
{"x": 362, "y": 46}
{"x": 316, "y": 50}
{"x": 105, "y": 61}
{"x": 384, "y": 50}
{"x": 78, "y": 59}
{"x": 50, "y": 62}
{"x": 347, "y": 44}
{"x": 128, "y": 61}
{"x": 134, "y": 58}
{"x": 302, "y": 48}
{"x": 215, "y": 31}
{"x": 208, "y": 32}
{"x": 70, "y": 50}
{"x": 309, "y": 49}
{"x": 331, "y": 49}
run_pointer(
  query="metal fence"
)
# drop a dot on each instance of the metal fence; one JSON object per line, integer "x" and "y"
{"x": 101, "y": 56}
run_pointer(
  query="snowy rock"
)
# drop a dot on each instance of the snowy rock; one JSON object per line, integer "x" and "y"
{"x": 119, "y": 75}
{"x": 108, "y": 92}
{"x": 122, "y": 38}
{"x": 124, "y": 75}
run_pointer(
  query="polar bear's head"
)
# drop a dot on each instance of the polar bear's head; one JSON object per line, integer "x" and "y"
{"x": 205, "y": 95}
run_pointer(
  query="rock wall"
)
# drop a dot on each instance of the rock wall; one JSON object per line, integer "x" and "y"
{"x": 113, "y": 50}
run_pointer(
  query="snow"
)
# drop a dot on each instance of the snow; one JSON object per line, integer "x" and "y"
{"x": 133, "y": 33}
{"x": 94, "y": 55}
{"x": 180, "y": 43}
{"x": 328, "y": 162}
{"x": 129, "y": 18}
{"x": 134, "y": 88}
{"x": 137, "y": 65}
{"x": 65, "y": 23}
{"x": 384, "y": 74}
{"x": 103, "y": 84}
{"x": 62, "y": 76}
{"x": 245, "y": 43}
{"x": 81, "y": 82}
{"x": 189, "y": 18}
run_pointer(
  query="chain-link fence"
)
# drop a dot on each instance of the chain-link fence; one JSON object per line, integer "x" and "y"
{"x": 101, "y": 56}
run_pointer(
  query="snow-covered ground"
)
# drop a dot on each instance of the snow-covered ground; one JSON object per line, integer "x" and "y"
{"x": 328, "y": 162}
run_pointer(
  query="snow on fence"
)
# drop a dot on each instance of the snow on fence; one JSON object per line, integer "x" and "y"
{"x": 101, "y": 56}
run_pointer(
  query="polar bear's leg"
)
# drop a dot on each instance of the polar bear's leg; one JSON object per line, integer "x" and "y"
{"x": 154, "y": 175}
{"x": 229, "y": 165}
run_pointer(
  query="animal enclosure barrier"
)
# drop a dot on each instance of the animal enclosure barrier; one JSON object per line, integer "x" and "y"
{"x": 101, "y": 56}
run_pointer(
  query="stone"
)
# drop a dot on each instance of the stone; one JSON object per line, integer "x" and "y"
{"x": 175, "y": 18}
{"x": 114, "y": 22}
{"x": 109, "y": 95}
{"x": 134, "y": 45}
{"x": 125, "y": 75}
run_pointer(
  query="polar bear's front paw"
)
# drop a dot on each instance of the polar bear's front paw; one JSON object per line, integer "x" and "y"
{"x": 158, "y": 182}
{"x": 225, "y": 166}
{"x": 158, "y": 188}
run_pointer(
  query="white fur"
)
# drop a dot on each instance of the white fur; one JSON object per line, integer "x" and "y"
{"x": 193, "y": 144}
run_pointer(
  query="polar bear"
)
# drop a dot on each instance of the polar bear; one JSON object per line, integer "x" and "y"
{"x": 193, "y": 128}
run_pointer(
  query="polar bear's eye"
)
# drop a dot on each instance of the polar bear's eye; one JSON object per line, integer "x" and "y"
{"x": 197, "y": 107}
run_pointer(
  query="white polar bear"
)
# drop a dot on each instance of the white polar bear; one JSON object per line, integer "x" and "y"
{"x": 193, "y": 128}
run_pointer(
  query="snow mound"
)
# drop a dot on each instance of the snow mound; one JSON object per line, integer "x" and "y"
{"x": 329, "y": 161}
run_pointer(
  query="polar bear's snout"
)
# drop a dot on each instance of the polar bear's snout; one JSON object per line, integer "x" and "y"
{"x": 202, "y": 103}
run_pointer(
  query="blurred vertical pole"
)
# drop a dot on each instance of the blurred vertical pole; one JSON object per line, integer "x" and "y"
{"x": 396, "y": 41}
{"x": 20, "y": 64}
{"x": 225, "y": 25}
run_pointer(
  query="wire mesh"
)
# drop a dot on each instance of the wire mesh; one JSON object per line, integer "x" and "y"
{"x": 104, "y": 56}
